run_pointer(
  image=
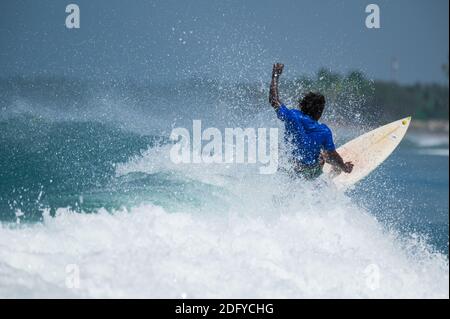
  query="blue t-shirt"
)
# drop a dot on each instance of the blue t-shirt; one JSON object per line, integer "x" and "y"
{"x": 307, "y": 136}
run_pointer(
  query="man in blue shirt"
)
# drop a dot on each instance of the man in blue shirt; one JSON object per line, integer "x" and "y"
{"x": 311, "y": 141}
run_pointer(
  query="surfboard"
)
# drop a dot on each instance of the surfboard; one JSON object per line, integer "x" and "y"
{"x": 367, "y": 152}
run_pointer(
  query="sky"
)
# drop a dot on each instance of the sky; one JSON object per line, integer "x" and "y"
{"x": 172, "y": 40}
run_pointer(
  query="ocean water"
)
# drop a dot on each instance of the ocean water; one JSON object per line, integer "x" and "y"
{"x": 87, "y": 189}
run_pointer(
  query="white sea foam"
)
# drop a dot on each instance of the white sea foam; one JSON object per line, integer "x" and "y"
{"x": 147, "y": 252}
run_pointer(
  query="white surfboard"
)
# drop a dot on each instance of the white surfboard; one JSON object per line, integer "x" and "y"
{"x": 368, "y": 151}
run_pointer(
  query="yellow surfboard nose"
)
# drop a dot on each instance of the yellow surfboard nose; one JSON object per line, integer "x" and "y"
{"x": 407, "y": 120}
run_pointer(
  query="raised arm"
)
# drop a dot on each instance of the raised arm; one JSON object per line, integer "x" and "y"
{"x": 274, "y": 99}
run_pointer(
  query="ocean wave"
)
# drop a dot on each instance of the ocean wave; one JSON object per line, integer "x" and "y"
{"x": 247, "y": 236}
{"x": 161, "y": 229}
{"x": 146, "y": 252}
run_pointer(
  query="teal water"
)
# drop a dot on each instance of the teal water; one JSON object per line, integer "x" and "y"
{"x": 411, "y": 193}
{"x": 51, "y": 164}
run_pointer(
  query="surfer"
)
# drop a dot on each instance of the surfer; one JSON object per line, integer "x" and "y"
{"x": 312, "y": 142}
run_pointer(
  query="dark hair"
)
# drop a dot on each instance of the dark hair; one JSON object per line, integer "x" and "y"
{"x": 313, "y": 104}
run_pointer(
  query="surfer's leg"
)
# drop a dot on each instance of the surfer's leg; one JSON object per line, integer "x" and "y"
{"x": 313, "y": 173}
{"x": 308, "y": 172}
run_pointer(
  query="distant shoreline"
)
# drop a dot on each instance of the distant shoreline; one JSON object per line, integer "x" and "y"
{"x": 430, "y": 126}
